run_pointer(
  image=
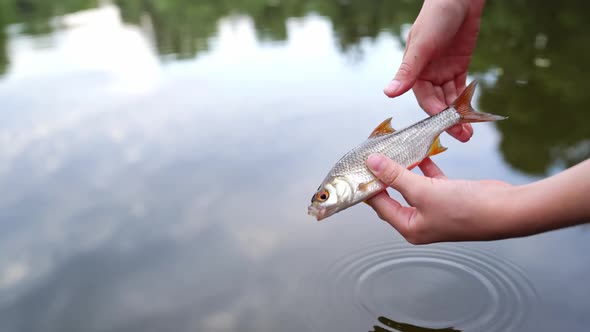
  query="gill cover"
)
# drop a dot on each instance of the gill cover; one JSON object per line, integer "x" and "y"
{"x": 338, "y": 191}
{"x": 338, "y": 195}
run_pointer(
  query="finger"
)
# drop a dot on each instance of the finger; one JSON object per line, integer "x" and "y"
{"x": 432, "y": 102}
{"x": 392, "y": 211}
{"x": 396, "y": 176}
{"x": 430, "y": 169}
{"x": 440, "y": 95}
{"x": 460, "y": 81}
{"x": 450, "y": 92}
{"x": 462, "y": 132}
{"x": 429, "y": 97}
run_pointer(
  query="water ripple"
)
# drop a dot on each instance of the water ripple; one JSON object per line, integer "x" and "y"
{"x": 435, "y": 286}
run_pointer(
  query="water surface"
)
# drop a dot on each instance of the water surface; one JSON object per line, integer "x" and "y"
{"x": 157, "y": 158}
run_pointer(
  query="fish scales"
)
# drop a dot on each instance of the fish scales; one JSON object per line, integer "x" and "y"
{"x": 406, "y": 147}
{"x": 350, "y": 181}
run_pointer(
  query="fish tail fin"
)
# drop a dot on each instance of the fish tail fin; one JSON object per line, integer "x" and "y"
{"x": 463, "y": 106}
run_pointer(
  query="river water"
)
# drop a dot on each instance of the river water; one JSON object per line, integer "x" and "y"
{"x": 157, "y": 159}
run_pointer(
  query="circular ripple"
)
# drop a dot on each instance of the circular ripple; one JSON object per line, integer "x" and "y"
{"x": 435, "y": 286}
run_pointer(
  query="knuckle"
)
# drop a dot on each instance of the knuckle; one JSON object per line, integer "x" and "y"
{"x": 405, "y": 70}
{"x": 415, "y": 239}
{"x": 382, "y": 216}
{"x": 423, "y": 105}
{"x": 451, "y": 7}
{"x": 412, "y": 240}
{"x": 391, "y": 175}
{"x": 416, "y": 233}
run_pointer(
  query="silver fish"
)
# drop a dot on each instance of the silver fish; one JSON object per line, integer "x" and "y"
{"x": 350, "y": 181}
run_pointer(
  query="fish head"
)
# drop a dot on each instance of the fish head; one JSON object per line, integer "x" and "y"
{"x": 333, "y": 195}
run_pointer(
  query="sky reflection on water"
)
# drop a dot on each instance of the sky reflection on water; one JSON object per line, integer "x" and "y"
{"x": 143, "y": 195}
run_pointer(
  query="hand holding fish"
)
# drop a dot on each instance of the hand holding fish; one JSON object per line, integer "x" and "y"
{"x": 435, "y": 65}
{"x": 438, "y": 52}
{"x": 459, "y": 210}
{"x": 349, "y": 182}
{"x": 440, "y": 209}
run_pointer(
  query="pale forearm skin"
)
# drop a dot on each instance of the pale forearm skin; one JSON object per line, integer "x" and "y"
{"x": 559, "y": 201}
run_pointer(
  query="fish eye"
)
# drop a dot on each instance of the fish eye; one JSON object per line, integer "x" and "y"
{"x": 322, "y": 196}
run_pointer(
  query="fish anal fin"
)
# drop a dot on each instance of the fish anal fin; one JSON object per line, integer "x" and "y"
{"x": 365, "y": 186}
{"x": 436, "y": 147}
{"x": 383, "y": 128}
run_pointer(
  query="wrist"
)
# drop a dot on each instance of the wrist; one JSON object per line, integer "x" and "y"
{"x": 528, "y": 210}
{"x": 514, "y": 220}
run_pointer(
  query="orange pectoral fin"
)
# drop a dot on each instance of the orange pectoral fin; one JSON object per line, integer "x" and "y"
{"x": 436, "y": 148}
{"x": 365, "y": 186}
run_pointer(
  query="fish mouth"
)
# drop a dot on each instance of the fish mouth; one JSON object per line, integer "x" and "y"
{"x": 319, "y": 213}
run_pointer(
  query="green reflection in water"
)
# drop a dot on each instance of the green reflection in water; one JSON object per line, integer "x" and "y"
{"x": 3, "y": 42}
{"x": 404, "y": 327}
{"x": 36, "y": 15}
{"x": 178, "y": 24}
{"x": 538, "y": 52}
{"x": 181, "y": 28}
{"x": 354, "y": 21}
{"x": 34, "y": 18}
{"x": 542, "y": 51}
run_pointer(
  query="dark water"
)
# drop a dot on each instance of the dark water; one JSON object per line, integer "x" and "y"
{"x": 156, "y": 160}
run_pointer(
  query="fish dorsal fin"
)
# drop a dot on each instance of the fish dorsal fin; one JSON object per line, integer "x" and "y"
{"x": 383, "y": 128}
{"x": 436, "y": 147}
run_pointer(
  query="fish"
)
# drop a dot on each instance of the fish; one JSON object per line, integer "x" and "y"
{"x": 350, "y": 182}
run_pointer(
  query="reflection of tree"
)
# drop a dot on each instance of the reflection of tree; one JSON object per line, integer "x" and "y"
{"x": 270, "y": 17}
{"x": 179, "y": 24}
{"x": 35, "y": 15}
{"x": 35, "y": 18}
{"x": 543, "y": 52}
{"x": 181, "y": 28}
{"x": 404, "y": 327}
{"x": 544, "y": 44}
{"x": 3, "y": 54}
{"x": 355, "y": 20}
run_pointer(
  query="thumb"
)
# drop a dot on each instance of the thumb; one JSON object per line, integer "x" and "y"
{"x": 395, "y": 175}
{"x": 416, "y": 57}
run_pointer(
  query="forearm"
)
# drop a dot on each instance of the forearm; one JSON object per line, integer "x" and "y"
{"x": 556, "y": 202}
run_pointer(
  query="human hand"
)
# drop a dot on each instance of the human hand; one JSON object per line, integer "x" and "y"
{"x": 440, "y": 209}
{"x": 437, "y": 56}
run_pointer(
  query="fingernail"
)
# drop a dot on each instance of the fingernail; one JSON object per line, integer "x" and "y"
{"x": 392, "y": 87}
{"x": 375, "y": 162}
